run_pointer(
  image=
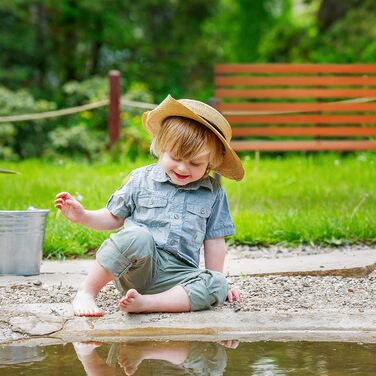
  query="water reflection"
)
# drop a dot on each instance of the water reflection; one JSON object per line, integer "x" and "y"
{"x": 174, "y": 358}
{"x": 156, "y": 358}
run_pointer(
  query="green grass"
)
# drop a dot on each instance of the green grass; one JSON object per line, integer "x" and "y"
{"x": 315, "y": 199}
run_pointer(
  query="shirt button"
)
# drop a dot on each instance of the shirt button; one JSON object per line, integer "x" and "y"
{"x": 176, "y": 216}
{"x": 172, "y": 242}
{"x": 203, "y": 211}
{"x": 151, "y": 202}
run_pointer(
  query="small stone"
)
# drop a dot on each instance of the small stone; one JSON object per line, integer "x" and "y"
{"x": 37, "y": 283}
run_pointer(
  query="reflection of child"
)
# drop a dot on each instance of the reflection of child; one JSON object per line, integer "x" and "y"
{"x": 171, "y": 357}
{"x": 169, "y": 210}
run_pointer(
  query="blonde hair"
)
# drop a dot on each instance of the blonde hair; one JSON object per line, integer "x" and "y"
{"x": 186, "y": 139}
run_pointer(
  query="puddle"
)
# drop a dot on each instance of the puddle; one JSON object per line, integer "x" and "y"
{"x": 191, "y": 358}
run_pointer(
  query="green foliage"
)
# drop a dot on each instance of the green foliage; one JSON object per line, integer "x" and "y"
{"x": 171, "y": 45}
{"x": 90, "y": 90}
{"x": 24, "y": 139}
{"x": 239, "y": 27}
{"x": 135, "y": 141}
{"x": 302, "y": 38}
{"x": 151, "y": 41}
{"x": 83, "y": 135}
{"x": 56, "y": 54}
{"x": 76, "y": 141}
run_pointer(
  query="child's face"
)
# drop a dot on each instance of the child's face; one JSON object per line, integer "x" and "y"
{"x": 183, "y": 172}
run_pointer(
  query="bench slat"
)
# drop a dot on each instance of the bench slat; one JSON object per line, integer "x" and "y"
{"x": 295, "y": 93}
{"x": 321, "y": 99}
{"x": 301, "y": 119}
{"x": 344, "y": 107}
{"x": 316, "y": 145}
{"x": 295, "y": 80}
{"x": 303, "y": 131}
{"x": 295, "y": 68}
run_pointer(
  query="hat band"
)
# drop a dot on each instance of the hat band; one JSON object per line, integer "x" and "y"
{"x": 215, "y": 127}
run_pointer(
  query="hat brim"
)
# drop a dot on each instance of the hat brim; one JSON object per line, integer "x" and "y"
{"x": 231, "y": 167}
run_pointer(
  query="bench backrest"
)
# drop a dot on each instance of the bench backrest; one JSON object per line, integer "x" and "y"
{"x": 280, "y": 107}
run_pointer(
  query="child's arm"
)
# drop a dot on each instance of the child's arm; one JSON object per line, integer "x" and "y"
{"x": 214, "y": 255}
{"x": 100, "y": 219}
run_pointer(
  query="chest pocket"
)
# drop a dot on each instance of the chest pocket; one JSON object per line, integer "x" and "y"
{"x": 151, "y": 210}
{"x": 195, "y": 223}
{"x": 151, "y": 202}
{"x": 202, "y": 211}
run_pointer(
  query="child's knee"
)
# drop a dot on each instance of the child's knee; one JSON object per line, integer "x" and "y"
{"x": 125, "y": 248}
{"x": 208, "y": 289}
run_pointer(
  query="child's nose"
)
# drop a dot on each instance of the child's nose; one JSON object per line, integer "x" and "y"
{"x": 182, "y": 167}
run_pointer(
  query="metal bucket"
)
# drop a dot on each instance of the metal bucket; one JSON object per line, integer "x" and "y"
{"x": 21, "y": 241}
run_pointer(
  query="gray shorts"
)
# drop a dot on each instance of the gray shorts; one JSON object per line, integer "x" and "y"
{"x": 131, "y": 256}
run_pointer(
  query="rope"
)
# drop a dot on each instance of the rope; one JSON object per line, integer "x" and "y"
{"x": 73, "y": 110}
{"x": 356, "y": 100}
{"x": 146, "y": 106}
{"x": 143, "y": 105}
{"x": 52, "y": 114}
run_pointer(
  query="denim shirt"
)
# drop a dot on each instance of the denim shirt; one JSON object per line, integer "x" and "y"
{"x": 179, "y": 218}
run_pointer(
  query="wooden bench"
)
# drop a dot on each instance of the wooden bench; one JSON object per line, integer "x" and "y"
{"x": 283, "y": 107}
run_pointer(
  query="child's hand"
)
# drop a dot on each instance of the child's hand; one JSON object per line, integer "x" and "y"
{"x": 233, "y": 294}
{"x": 69, "y": 207}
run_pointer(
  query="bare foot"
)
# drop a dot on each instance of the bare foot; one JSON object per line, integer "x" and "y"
{"x": 84, "y": 305}
{"x": 133, "y": 301}
{"x": 129, "y": 358}
{"x": 85, "y": 348}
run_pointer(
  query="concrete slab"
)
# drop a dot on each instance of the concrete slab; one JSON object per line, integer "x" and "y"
{"x": 205, "y": 325}
{"x": 311, "y": 264}
{"x": 58, "y": 323}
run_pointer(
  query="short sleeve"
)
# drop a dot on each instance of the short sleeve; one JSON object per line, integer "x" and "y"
{"x": 121, "y": 203}
{"x": 219, "y": 223}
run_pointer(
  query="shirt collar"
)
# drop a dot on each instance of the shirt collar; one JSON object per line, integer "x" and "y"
{"x": 158, "y": 174}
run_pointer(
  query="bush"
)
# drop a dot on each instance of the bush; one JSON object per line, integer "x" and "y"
{"x": 77, "y": 141}
{"x": 23, "y": 139}
{"x": 135, "y": 141}
{"x": 80, "y": 135}
{"x": 350, "y": 39}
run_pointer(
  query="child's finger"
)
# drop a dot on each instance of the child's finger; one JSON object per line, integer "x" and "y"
{"x": 229, "y": 296}
{"x": 236, "y": 294}
{"x": 63, "y": 195}
{"x": 59, "y": 203}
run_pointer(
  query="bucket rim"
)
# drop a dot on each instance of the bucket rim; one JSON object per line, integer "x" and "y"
{"x": 30, "y": 211}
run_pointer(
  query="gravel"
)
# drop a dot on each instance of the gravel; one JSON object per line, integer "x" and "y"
{"x": 270, "y": 293}
{"x": 276, "y": 252}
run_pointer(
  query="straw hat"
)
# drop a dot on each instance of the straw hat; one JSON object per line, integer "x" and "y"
{"x": 231, "y": 166}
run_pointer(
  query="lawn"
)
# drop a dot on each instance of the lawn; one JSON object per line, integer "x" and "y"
{"x": 313, "y": 199}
